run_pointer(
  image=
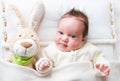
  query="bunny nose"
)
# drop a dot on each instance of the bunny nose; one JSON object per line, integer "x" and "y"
{"x": 26, "y": 44}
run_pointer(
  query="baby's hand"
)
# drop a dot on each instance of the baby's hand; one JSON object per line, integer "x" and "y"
{"x": 105, "y": 69}
{"x": 43, "y": 64}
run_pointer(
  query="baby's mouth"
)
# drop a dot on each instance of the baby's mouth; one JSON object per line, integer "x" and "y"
{"x": 63, "y": 45}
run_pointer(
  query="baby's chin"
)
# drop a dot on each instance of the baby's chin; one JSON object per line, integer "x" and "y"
{"x": 65, "y": 49}
{"x": 68, "y": 49}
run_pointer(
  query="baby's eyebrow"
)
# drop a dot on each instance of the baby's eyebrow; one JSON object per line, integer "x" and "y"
{"x": 81, "y": 20}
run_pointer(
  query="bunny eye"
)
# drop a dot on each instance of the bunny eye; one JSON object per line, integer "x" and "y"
{"x": 32, "y": 35}
{"x": 20, "y": 35}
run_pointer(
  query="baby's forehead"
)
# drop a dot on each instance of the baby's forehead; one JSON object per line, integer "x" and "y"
{"x": 69, "y": 21}
{"x": 73, "y": 18}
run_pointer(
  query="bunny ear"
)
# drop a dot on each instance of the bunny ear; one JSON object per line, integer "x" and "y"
{"x": 18, "y": 14}
{"x": 36, "y": 16}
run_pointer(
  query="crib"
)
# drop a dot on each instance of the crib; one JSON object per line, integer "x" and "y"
{"x": 101, "y": 33}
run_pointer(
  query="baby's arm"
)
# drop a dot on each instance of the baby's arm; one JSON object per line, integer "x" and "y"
{"x": 44, "y": 66}
{"x": 102, "y": 65}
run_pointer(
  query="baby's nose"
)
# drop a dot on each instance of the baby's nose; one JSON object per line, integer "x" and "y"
{"x": 26, "y": 44}
{"x": 65, "y": 38}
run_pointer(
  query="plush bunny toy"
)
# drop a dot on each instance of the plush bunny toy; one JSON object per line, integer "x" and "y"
{"x": 25, "y": 44}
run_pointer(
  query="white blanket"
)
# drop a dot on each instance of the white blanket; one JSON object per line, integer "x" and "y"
{"x": 70, "y": 72}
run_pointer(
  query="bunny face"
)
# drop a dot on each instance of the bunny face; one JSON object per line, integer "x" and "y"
{"x": 25, "y": 42}
{"x": 24, "y": 47}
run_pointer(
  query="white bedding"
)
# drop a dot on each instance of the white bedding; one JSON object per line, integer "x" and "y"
{"x": 70, "y": 72}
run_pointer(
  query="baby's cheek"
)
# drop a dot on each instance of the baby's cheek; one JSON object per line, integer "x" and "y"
{"x": 73, "y": 45}
{"x": 58, "y": 37}
{"x": 56, "y": 40}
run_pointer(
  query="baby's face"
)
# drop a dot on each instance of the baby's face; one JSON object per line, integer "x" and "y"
{"x": 69, "y": 34}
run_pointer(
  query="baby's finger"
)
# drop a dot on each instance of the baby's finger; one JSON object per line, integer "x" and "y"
{"x": 40, "y": 67}
{"x": 107, "y": 71}
{"x": 46, "y": 63}
{"x": 103, "y": 67}
{"x": 97, "y": 66}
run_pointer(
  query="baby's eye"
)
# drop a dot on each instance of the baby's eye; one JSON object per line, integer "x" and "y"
{"x": 72, "y": 36}
{"x": 60, "y": 32}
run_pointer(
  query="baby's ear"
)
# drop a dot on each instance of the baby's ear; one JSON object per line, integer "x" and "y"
{"x": 36, "y": 15}
{"x": 84, "y": 38}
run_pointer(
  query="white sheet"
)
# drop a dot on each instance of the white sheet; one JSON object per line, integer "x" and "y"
{"x": 70, "y": 72}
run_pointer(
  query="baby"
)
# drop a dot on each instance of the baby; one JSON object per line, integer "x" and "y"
{"x": 70, "y": 45}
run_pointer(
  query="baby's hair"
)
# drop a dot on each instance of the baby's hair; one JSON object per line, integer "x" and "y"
{"x": 80, "y": 16}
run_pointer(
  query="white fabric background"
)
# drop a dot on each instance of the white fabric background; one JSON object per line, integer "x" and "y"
{"x": 117, "y": 28}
